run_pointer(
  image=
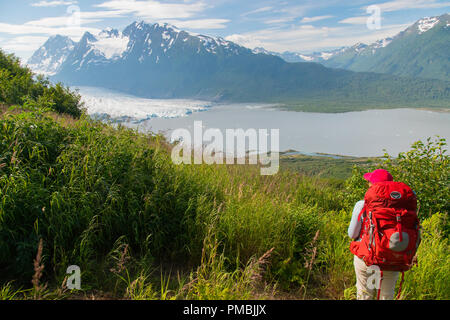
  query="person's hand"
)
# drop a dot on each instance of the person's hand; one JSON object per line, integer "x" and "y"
{"x": 415, "y": 261}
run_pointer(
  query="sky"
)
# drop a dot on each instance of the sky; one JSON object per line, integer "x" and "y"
{"x": 276, "y": 25}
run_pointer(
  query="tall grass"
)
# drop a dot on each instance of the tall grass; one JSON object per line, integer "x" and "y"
{"x": 81, "y": 188}
{"x": 83, "y": 185}
{"x": 110, "y": 200}
{"x": 89, "y": 190}
{"x": 431, "y": 277}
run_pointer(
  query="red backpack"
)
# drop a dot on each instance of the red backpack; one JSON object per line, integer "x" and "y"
{"x": 390, "y": 234}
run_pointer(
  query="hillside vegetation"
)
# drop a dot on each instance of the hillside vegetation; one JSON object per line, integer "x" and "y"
{"x": 109, "y": 199}
{"x": 19, "y": 86}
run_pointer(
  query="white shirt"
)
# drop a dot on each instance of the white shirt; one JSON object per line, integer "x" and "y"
{"x": 355, "y": 224}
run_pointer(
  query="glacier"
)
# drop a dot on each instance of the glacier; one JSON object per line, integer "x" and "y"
{"x": 105, "y": 104}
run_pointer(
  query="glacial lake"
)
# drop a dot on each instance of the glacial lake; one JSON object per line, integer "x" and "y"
{"x": 361, "y": 133}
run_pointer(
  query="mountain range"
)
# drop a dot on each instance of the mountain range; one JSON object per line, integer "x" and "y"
{"x": 161, "y": 61}
{"x": 422, "y": 50}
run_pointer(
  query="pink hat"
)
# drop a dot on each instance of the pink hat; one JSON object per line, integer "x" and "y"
{"x": 378, "y": 175}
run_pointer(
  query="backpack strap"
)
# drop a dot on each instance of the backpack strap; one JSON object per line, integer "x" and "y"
{"x": 363, "y": 210}
{"x": 379, "y": 286}
{"x": 399, "y": 224}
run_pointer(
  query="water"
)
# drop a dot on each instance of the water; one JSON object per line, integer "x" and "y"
{"x": 362, "y": 133}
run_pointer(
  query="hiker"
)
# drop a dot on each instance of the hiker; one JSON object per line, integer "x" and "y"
{"x": 385, "y": 232}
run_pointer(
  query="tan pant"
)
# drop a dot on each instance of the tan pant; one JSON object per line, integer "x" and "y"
{"x": 368, "y": 281}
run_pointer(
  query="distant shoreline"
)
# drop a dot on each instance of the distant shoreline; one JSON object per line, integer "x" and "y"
{"x": 443, "y": 110}
{"x": 294, "y": 153}
{"x": 320, "y": 109}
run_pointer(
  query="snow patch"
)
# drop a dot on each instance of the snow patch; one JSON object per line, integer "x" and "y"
{"x": 306, "y": 58}
{"x": 426, "y": 24}
{"x": 382, "y": 43}
{"x": 326, "y": 55}
{"x": 385, "y": 42}
{"x": 110, "y": 45}
{"x": 165, "y": 35}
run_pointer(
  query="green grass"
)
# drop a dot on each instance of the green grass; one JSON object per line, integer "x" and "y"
{"x": 324, "y": 166}
{"x": 195, "y": 232}
{"x": 110, "y": 200}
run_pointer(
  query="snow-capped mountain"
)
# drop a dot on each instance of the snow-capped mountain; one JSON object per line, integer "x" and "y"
{"x": 50, "y": 56}
{"x": 323, "y": 56}
{"x": 139, "y": 40}
{"x": 290, "y": 56}
{"x": 108, "y": 46}
{"x": 102, "y": 59}
{"x": 423, "y": 50}
{"x": 162, "y": 61}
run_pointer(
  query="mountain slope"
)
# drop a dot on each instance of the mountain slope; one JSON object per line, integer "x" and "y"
{"x": 160, "y": 61}
{"x": 422, "y": 50}
{"x": 50, "y": 56}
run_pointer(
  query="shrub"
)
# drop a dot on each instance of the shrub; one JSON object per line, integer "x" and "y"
{"x": 425, "y": 168}
{"x": 17, "y": 86}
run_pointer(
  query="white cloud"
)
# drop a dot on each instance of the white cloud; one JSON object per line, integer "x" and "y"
{"x": 402, "y": 5}
{"x": 297, "y": 10}
{"x": 28, "y": 38}
{"x": 58, "y": 22}
{"x": 179, "y": 14}
{"x": 23, "y": 43}
{"x": 200, "y": 23}
{"x": 355, "y": 20}
{"x": 284, "y": 13}
{"x": 280, "y": 20}
{"x": 22, "y": 46}
{"x": 246, "y": 40}
{"x": 276, "y": 39}
{"x": 306, "y": 38}
{"x": 74, "y": 32}
{"x": 314, "y": 19}
{"x": 260, "y": 10}
{"x": 52, "y": 3}
{"x": 395, "y": 5}
{"x": 85, "y": 17}
{"x": 155, "y": 10}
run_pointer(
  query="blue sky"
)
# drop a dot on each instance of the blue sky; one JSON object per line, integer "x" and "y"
{"x": 277, "y": 25}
